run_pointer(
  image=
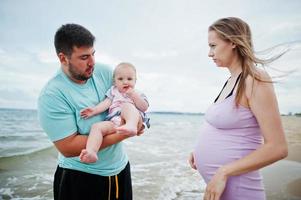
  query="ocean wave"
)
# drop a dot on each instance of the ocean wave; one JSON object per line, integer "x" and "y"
{"x": 187, "y": 187}
{"x": 26, "y": 152}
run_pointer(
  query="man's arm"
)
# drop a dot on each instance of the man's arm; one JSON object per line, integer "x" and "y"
{"x": 72, "y": 145}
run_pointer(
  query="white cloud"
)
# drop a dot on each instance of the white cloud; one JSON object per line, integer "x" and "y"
{"x": 271, "y": 34}
{"x": 286, "y": 27}
{"x": 167, "y": 40}
{"x": 17, "y": 98}
{"x": 45, "y": 56}
{"x": 142, "y": 54}
{"x": 176, "y": 92}
{"x": 13, "y": 58}
{"x": 106, "y": 58}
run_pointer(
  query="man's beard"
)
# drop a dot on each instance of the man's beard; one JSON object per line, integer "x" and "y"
{"x": 75, "y": 75}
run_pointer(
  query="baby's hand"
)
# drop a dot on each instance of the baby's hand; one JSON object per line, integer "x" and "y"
{"x": 87, "y": 113}
{"x": 130, "y": 91}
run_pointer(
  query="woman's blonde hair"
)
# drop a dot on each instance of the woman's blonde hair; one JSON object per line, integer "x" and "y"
{"x": 238, "y": 32}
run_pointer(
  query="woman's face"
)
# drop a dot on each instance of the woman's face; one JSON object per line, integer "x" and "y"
{"x": 222, "y": 52}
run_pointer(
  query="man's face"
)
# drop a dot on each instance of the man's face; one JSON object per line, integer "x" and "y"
{"x": 80, "y": 65}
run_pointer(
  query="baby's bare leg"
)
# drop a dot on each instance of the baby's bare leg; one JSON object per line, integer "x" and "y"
{"x": 98, "y": 131}
{"x": 131, "y": 116}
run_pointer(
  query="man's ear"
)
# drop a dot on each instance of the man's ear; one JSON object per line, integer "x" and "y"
{"x": 63, "y": 58}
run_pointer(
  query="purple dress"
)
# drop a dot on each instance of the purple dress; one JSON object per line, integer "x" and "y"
{"x": 228, "y": 134}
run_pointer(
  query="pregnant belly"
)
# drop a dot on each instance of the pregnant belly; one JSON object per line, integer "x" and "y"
{"x": 217, "y": 147}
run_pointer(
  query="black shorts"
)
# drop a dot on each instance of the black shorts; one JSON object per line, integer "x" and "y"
{"x": 77, "y": 185}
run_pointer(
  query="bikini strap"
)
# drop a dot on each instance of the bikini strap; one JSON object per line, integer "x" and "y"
{"x": 237, "y": 79}
{"x": 221, "y": 91}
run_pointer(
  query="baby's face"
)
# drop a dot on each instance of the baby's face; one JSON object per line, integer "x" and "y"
{"x": 125, "y": 78}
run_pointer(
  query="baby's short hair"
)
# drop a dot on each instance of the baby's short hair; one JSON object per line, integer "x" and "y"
{"x": 124, "y": 64}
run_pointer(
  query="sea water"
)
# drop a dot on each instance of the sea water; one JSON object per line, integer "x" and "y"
{"x": 160, "y": 169}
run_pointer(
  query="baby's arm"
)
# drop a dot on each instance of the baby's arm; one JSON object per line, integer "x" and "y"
{"x": 139, "y": 101}
{"x": 99, "y": 108}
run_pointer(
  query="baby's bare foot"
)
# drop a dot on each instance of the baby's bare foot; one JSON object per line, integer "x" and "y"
{"x": 88, "y": 156}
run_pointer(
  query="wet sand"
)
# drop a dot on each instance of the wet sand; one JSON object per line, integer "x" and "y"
{"x": 283, "y": 179}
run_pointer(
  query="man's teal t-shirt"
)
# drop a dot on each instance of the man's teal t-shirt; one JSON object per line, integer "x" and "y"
{"x": 59, "y": 106}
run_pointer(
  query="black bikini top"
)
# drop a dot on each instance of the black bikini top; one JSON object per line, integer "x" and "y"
{"x": 237, "y": 79}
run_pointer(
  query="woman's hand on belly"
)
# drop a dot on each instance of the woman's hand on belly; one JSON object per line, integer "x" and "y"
{"x": 216, "y": 185}
{"x": 191, "y": 161}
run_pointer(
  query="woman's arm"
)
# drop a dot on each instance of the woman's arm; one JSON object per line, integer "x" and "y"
{"x": 263, "y": 103}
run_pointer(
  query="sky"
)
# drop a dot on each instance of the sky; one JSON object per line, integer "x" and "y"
{"x": 165, "y": 39}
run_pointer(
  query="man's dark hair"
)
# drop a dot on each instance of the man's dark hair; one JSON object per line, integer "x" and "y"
{"x": 70, "y": 35}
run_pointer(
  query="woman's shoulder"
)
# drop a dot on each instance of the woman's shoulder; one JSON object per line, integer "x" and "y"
{"x": 261, "y": 74}
{"x": 255, "y": 84}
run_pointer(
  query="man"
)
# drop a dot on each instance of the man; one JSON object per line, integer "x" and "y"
{"x": 79, "y": 84}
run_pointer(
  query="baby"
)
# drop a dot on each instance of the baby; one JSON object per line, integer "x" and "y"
{"x": 127, "y": 109}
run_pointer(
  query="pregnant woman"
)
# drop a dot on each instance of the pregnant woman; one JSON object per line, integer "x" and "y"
{"x": 242, "y": 131}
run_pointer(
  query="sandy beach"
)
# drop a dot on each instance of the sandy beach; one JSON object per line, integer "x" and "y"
{"x": 283, "y": 179}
